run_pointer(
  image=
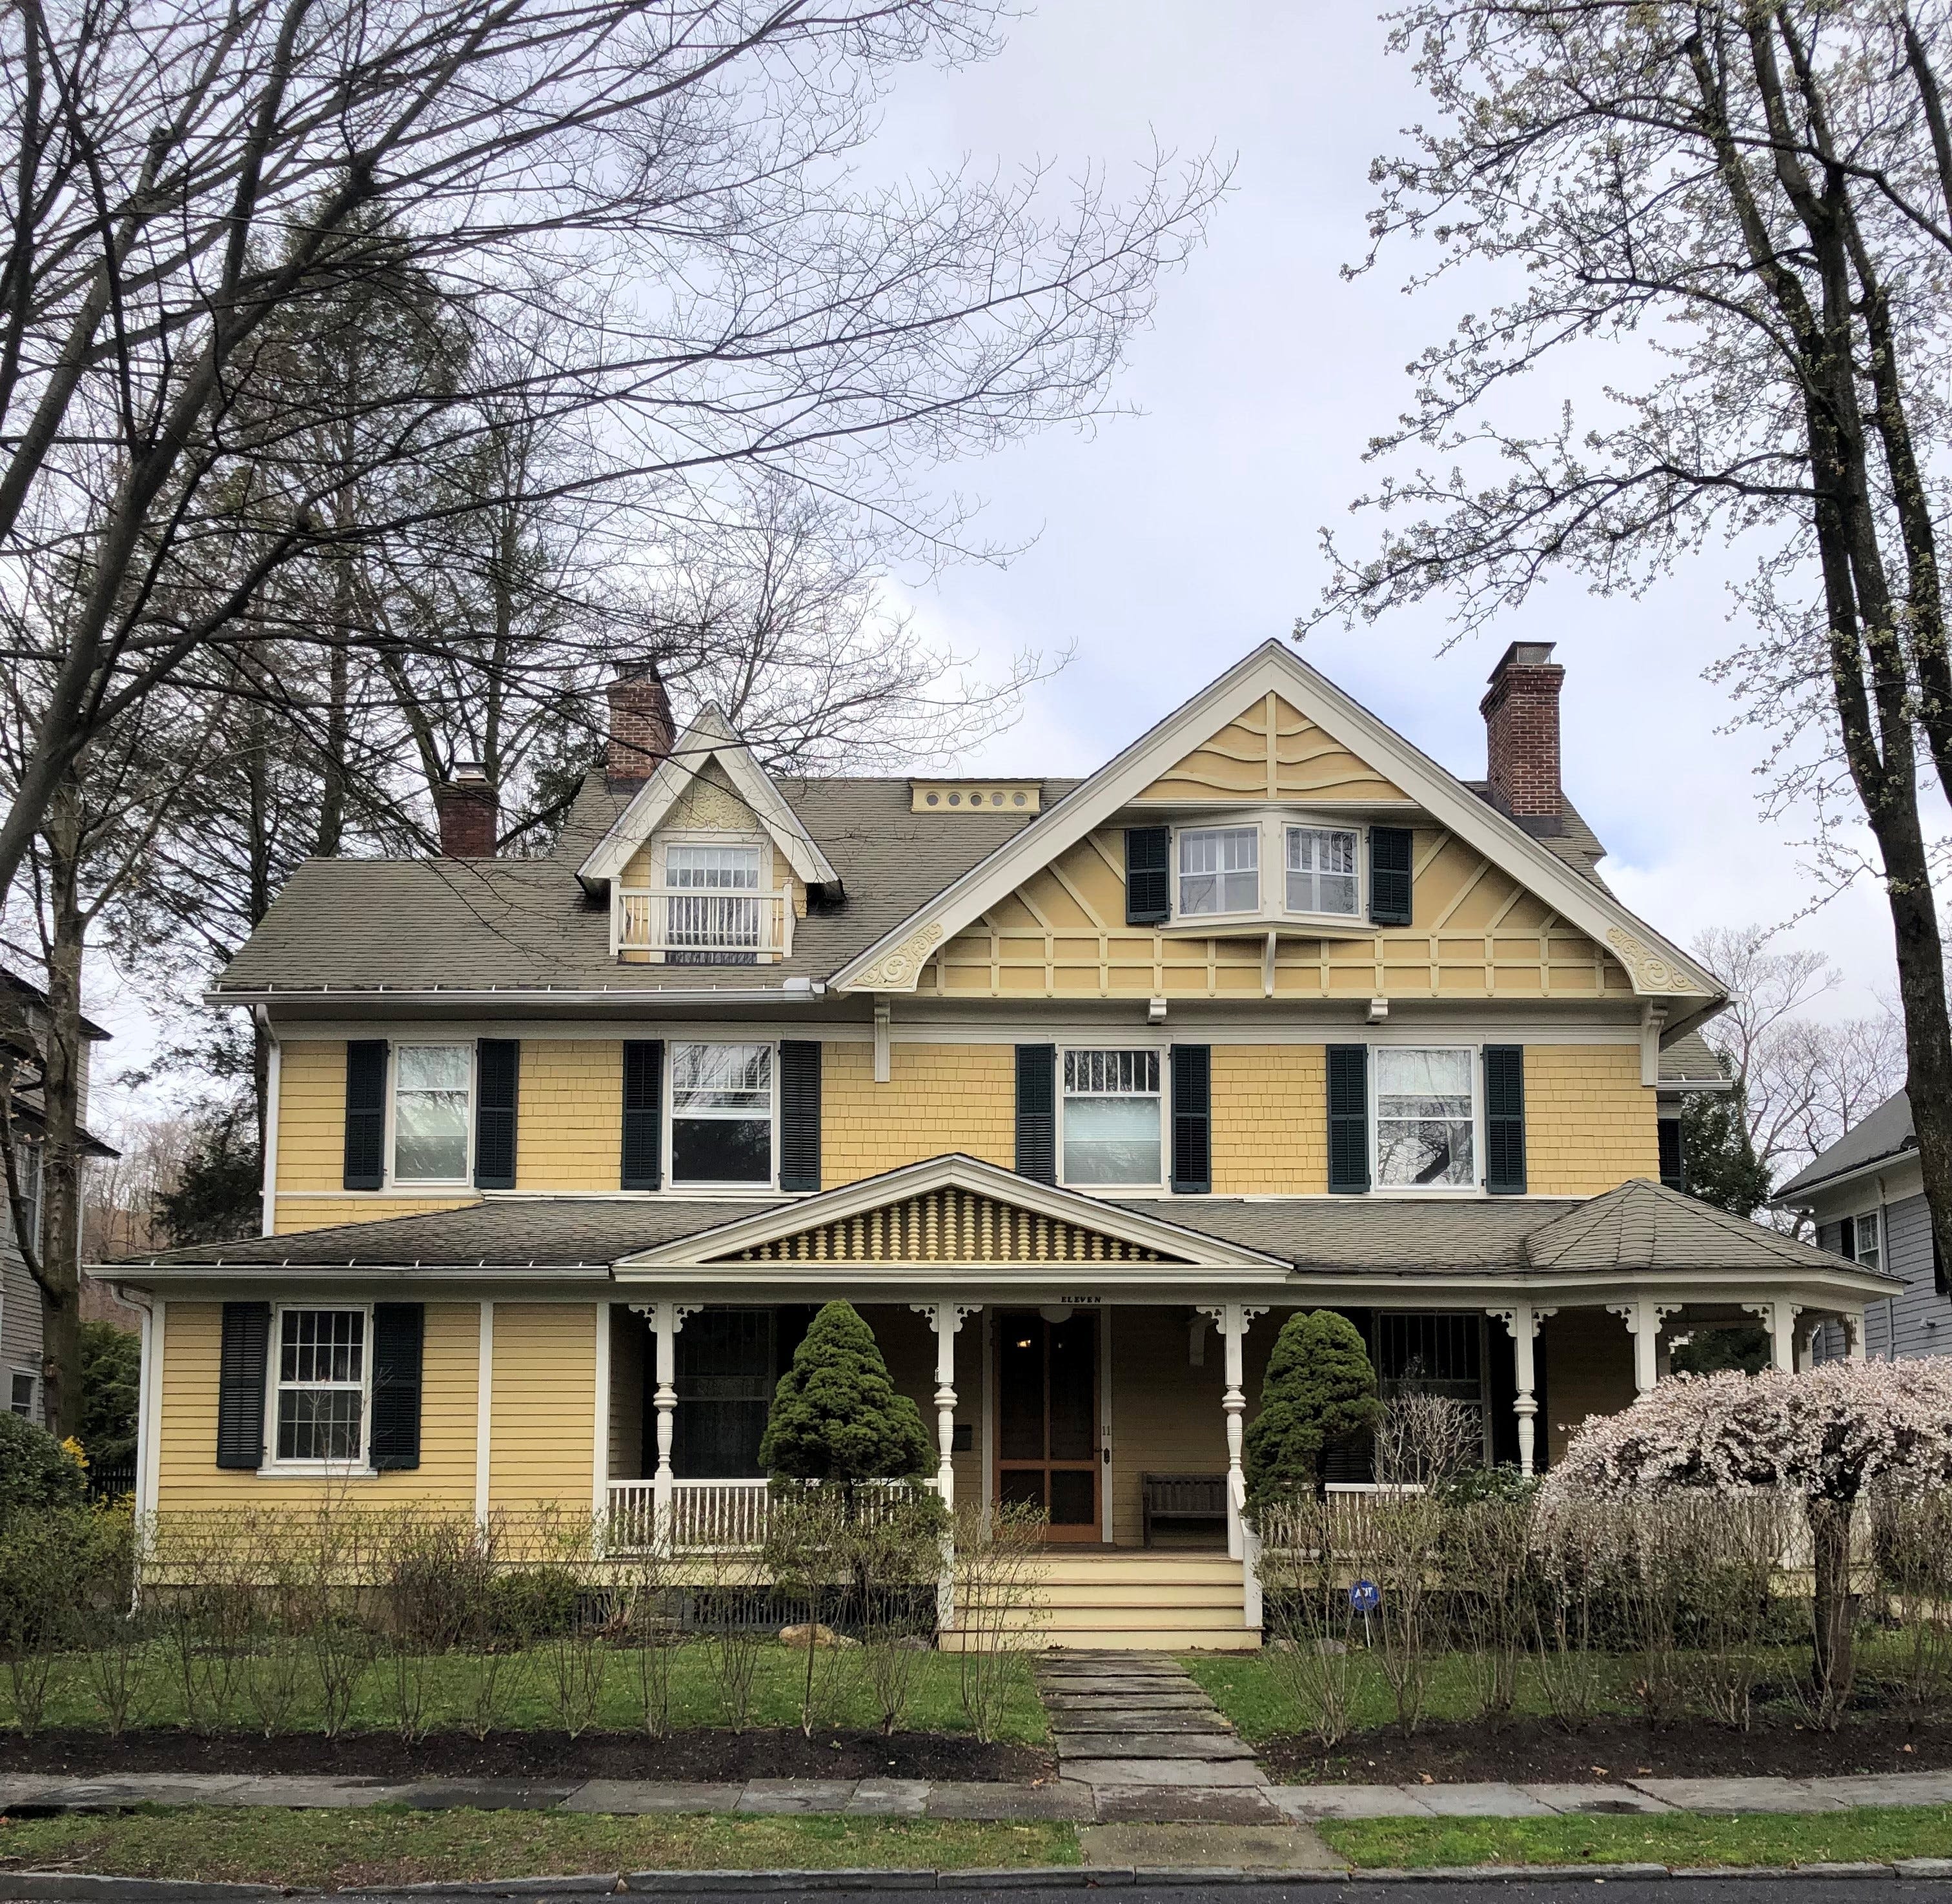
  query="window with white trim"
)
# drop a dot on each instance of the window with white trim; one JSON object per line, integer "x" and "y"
{"x": 432, "y": 1087}
{"x": 321, "y": 1391}
{"x": 1322, "y": 875}
{"x": 714, "y": 904}
{"x": 1219, "y": 870}
{"x": 21, "y": 1392}
{"x": 721, "y": 1113}
{"x": 1867, "y": 1241}
{"x": 1426, "y": 1117}
{"x": 1111, "y": 1118}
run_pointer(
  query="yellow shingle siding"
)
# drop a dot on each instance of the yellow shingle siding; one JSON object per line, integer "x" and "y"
{"x": 543, "y": 1406}
{"x": 1270, "y": 1119}
{"x": 311, "y": 1115}
{"x": 297, "y": 1213}
{"x": 938, "y": 1098}
{"x": 1272, "y": 751}
{"x": 1590, "y": 1122}
{"x": 570, "y": 1114}
{"x": 188, "y": 1477}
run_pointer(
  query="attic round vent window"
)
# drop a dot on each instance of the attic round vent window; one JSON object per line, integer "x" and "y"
{"x": 955, "y": 799}
{"x": 934, "y": 797}
{"x": 1020, "y": 799}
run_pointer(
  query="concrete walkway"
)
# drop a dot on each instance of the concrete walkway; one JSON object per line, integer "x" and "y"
{"x": 1138, "y": 1731}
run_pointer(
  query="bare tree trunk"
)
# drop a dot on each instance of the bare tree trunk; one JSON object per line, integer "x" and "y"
{"x": 1833, "y": 1606}
{"x": 58, "y": 1272}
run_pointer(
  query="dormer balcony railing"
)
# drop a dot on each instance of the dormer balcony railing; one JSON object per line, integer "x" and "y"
{"x": 689, "y": 925}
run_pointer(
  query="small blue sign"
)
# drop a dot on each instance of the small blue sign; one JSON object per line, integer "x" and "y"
{"x": 1365, "y": 1596}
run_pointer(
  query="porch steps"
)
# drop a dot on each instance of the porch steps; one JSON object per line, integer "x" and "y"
{"x": 1142, "y": 1601}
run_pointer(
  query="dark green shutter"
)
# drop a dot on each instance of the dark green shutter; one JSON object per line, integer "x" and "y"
{"x": 1036, "y": 1112}
{"x": 1504, "y": 1120}
{"x": 398, "y": 1329}
{"x": 245, "y": 1343}
{"x": 1673, "y": 1163}
{"x": 498, "y": 1067}
{"x": 1389, "y": 848}
{"x": 643, "y": 1089}
{"x": 800, "y": 1114}
{"x": 366, "y": 1114}
{"x": 1148, "y": 875}
{"x": 1348, "y": 1118}
{"x": 1192, "y": 1119}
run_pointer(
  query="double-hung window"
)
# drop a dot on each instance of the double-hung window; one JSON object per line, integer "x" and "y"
{"x": 1426, "y": 1117}
{"x": 713, "y": 903}
{"x": 721, "y": 1119}
{"x": 321, "y": 1387}
{"x": 1866, "y": 1244}
{"x": 20, "y": 1394}
{"x": 29, "y": 1155}
{"x": 1111, "y": 1118}
{"x": 431, "y": 1085}
{"x": 1321, "y": 874}
{"x": 1219, "y": 870}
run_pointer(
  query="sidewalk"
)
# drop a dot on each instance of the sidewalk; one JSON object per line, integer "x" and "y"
{"x": 1068, "y": 1800}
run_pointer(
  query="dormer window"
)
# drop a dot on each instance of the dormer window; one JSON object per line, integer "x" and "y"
{"x": 712, "y": 904}
{"x": 1219, "y": 870}
{"x": 1321, "y": 874}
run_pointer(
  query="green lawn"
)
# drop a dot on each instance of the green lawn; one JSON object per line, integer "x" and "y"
{"x": 1865, "y": 1834}
{"x": 524, "y": 1700}
{"x": 389, "y": 1846}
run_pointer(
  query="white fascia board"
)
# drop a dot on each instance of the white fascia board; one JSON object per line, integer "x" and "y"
{"x": 1656, "y": 967}
{"x": 709, "y": 737}
{"x": 1191, "y": 1248}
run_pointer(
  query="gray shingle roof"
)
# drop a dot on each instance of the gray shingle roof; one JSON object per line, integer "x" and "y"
{"x": 1886, "y": 1132}
{"x": 1574, "y": 842}
{"x": 1691, "y": 1059}
{"x": 414, "y": 924}
{"x": 1640, "y": 1226}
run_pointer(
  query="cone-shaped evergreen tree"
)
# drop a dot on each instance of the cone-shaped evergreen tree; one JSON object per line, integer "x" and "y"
{"x": 836, "y": 1415}
{"x": 1320, "y": 1388}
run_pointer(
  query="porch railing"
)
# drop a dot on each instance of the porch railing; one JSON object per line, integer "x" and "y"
{"x": 715, "y": 1516}
{"x": 690, "y": 919}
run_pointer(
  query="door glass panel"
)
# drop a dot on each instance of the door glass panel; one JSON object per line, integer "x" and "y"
{"x": 1073, "y": 1353}
{"x": 1071, "y": 1497}
{"x": 1023, "y": 1487}
{"x": 724, "y": 1388}
{"x": 1022, "y": 1436}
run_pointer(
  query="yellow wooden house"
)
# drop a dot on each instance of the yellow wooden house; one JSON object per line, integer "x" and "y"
{"x": 1076, "y": 1089}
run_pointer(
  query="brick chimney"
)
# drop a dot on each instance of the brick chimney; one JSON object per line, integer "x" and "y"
{"x": 1521, "y": 735}
{"x": 470, "y": 815}
{"x": 640, "y": 726}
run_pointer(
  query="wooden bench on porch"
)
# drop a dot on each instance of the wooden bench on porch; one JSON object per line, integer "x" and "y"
{"x": 1181, "y": 1497}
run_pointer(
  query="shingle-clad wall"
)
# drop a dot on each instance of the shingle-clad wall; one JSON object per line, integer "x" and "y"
{"x": 542, "y": 1412}
{"x": 311, "y": 1116}
{"x": 938, "y": 1098}
{"x": 1590, "y": 1124}
{"x": 1270, "y": 1119}
{"x": 569, "y": 1115}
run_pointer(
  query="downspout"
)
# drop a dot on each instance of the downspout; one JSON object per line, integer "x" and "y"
{"x": 273, "y": 1067}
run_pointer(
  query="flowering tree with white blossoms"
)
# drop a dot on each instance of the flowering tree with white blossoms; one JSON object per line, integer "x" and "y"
{"x": 1826, "y": 1434}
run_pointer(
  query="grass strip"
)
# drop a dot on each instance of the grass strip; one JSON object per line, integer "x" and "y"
{"x": 1863, "y": 1834}
{"x": 390, "y": 1845}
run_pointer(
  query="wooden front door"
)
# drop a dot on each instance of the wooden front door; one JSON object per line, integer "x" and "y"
{"x": 1047, "y": 1452}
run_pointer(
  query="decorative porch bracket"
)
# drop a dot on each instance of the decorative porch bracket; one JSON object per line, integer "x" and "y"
{"x": 666, "y": 1319}
{"x": 1522, "y": 1321}
{"x": 1233, "y": 1319}
{"x": 1643, "y": 1317}
{"x": 1778, "y": 1318}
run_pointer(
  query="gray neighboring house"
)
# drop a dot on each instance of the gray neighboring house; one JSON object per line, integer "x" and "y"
{"x": 20, "y": 1384}
{"x": 1865, "y": 1194}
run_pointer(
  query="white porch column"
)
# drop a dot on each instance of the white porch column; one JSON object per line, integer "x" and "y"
{"x": 1778, "y": 1318}
{"x": 1233, "y": 1319}
{"x": 1522, "y": 1321}
{"x": 667, "y": 1318}
{"x": 1853, "y": 1334}
{"x": 1643, "y": 1317}
{"x": 945, "y": 1319}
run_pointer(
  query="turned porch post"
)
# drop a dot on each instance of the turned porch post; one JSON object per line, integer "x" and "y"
{"x": 667, "y": 1318}
{"x": 945, "y": 1319}
{"x": 1522, "y": 1321}
{"x": 1643, "y": 1317}
{"x": 1233, "y": 1319}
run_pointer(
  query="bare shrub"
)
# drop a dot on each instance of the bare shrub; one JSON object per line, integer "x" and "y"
{"x": 898, "y": 1559}
{"x": 116, "y": 1635}
{"x": 275, "y": 1670}
{"x": 432, "y": 1571}
{"x": 649, "y": 1633}
{"x": 42, "y": 1550}
{"x": 1489, "y": 1575}
{"x": 1305, "y": 1599}
{"x": 499, "y": 1660}
{"x": 573, "y": 1652}
{"x": 1911, "y": 1542}
{"x": 336, "y": 1558}
{"x": 1727, "y": 1549}
{"x": 1573, "y": 1543}
{"x": 808, "y": 1557}
{"x": 208, "y": 1611}
{"x": 723, "y": 1606}
{"x": 996, "y": 1598}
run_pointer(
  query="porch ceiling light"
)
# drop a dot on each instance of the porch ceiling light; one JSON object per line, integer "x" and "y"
{"x": 1055, "y": 1312}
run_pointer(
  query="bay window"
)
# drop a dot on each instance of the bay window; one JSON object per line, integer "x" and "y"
{"x": 721, "y": 1121}
{"x": 1425, "y": 1120}
{"x": 431, "y": 1085}
{"x": 321, "y": 1386}
{"x": 1112, "y": 1122}
{"x": 1321, "y": 875}
{"x": 1219, "y": 870}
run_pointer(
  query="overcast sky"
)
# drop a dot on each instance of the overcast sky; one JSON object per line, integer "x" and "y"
{"x": 1167, "y": 543}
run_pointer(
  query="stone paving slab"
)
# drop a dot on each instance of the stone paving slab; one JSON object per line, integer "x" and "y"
{"x": 140, "y": 1788}
{"x": 1067, "y": 1715}
{"x": 1216, "y": 1848}
{"x": 890, "y": 1798}
{"x": 1741, "y": 1794}
{"x": 779, "y": 1796}
{"x": 1490, "y": 1800}
{"x": 483, "y": 1794}
{"x": 1315, "y": 1804}
{"x": 1886, "y": 1788}
{"x": 1596, "y": 1799}
{"x": 1175, "y": 1772}
{"x": 1194, "y": 1702}
{"x": 638, "y": 1797}
{"x": 1148, "y": 1745}
{"x": 1159, "y": 1804}
{"x": 1060, "y": 1799}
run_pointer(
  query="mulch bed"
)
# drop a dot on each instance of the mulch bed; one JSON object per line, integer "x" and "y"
{"x": 708, "y": 1755}
{"x": 1527, "y": 1750}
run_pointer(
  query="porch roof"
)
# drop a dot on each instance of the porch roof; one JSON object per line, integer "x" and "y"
{"x": 1640, "y": 1226}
